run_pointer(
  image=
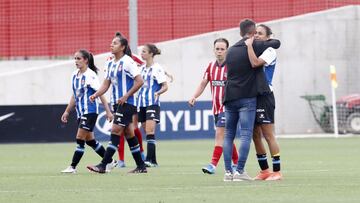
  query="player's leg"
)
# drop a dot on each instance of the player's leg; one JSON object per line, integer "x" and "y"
{"x": 116, "y": 131}
{"x": 138, "y": 134}
{"x": 135, "y": 149}
{"x": 86, "y": 124}
{"x": 219, "y": 141}
{"x": 267, "y": 111}
{"x": 121, "y": 152}
{"x": 217, "y": 151}
{"x": 121, "y": 146}
{"x": 260, "y": 154}
{"x": 152, "y": 118}
{"x": 134, "y": 146}
{"x": 100, "y": 150}
{"x": 150, "y": 159}
{"x": 90, "y": 138}
{"x": 268, "y": 132}
{"x": 95, "y": 145}
{"x": 78, "y": 153}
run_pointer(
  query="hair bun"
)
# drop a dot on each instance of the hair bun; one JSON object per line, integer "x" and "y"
{"x": 118, "y": 34}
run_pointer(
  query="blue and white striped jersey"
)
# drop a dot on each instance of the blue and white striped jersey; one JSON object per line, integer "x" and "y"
{"x": 84, "y": 85}
{"x": 121, "y": 74}
{"x": 269, "y": 56}
{"x": 153, "y": 77}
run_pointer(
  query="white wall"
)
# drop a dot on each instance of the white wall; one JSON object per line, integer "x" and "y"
{"x": 310, "y": 43}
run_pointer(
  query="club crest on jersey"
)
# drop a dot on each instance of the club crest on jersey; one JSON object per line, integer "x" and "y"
{"x": 82, "y": 82}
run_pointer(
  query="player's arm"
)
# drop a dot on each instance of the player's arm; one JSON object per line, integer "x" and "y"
{"x": 138, "y": 82}
{"x": 261, "y": 46}
{"x": 164, "y": 88}
{"x": 199, "y": 90}
{"x": 254, "y": 60}
{"x": 171, "y": 77}
{"x": 69, "y": 107}
{"x": 109, "y": 115}
{"x": 103, "y": 88}
{"x": 168, "y": 75}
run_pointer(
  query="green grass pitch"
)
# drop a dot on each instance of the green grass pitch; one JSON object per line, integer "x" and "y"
{"x": 315, "y": 170}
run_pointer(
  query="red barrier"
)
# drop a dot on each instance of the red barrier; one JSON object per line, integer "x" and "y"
{"x": 58, "y": 28}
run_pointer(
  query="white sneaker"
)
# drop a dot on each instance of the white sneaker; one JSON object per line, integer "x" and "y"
{"x": 150, "y": 164}
{"x": 241, "y": 176}
{"x": 110, "y": 166}
{"x": 228, "y": 176}
{"x": 69, "y": 169}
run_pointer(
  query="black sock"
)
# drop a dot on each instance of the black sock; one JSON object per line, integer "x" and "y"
{"x": 151, "y": 148}
{"x": 79, "y": 151}
{"x": 111, "y": 149}
{"x": 98, "y": 148}
{"x": 276, "y": 163}
{"x": 135, "y": 151}
{"x": 262, "y": 161}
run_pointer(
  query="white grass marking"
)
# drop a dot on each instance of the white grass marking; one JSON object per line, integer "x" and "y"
{"x": 323, "y": 135}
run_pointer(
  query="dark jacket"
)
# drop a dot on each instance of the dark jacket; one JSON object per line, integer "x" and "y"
{"x": 243, "y": 81}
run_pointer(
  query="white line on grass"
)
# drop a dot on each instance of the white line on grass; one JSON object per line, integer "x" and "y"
{"x": 323, "y": 135}
{"x": 319, "y": 170}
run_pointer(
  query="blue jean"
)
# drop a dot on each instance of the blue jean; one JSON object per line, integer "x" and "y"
{"x": 239, "y": 113}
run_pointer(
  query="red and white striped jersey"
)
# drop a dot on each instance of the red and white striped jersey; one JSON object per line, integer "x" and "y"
{"x": 216, "y": 74}
{"x": 137, "y": 59}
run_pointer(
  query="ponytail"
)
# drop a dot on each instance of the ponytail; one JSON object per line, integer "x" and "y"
{"x": 128, "y": 51}
{"x": 92, "y": 64}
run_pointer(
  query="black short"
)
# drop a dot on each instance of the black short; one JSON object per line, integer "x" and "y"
{"x": 265, "y": 109}
{"x": 87, "y": 121}
{"x": 115, "y": 106}
{"x": 123, "y": 114}
{"x": 149, "y": 113}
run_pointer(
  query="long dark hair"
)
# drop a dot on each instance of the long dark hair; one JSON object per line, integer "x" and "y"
{"x": 87, "y": 55}
{"x": 124, "y": 42}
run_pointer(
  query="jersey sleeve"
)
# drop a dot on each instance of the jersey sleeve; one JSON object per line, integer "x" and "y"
{"x": 207, "y": 73}
{"x": 131, "y": 68}
{"x": 107, "y": 70}
{"x": 160, "y": 74}
{"x": 93, "y": 82}
{"x": 269, "y": 55}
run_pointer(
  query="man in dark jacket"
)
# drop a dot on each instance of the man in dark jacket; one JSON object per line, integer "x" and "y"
{"x": 243, "y": 85}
